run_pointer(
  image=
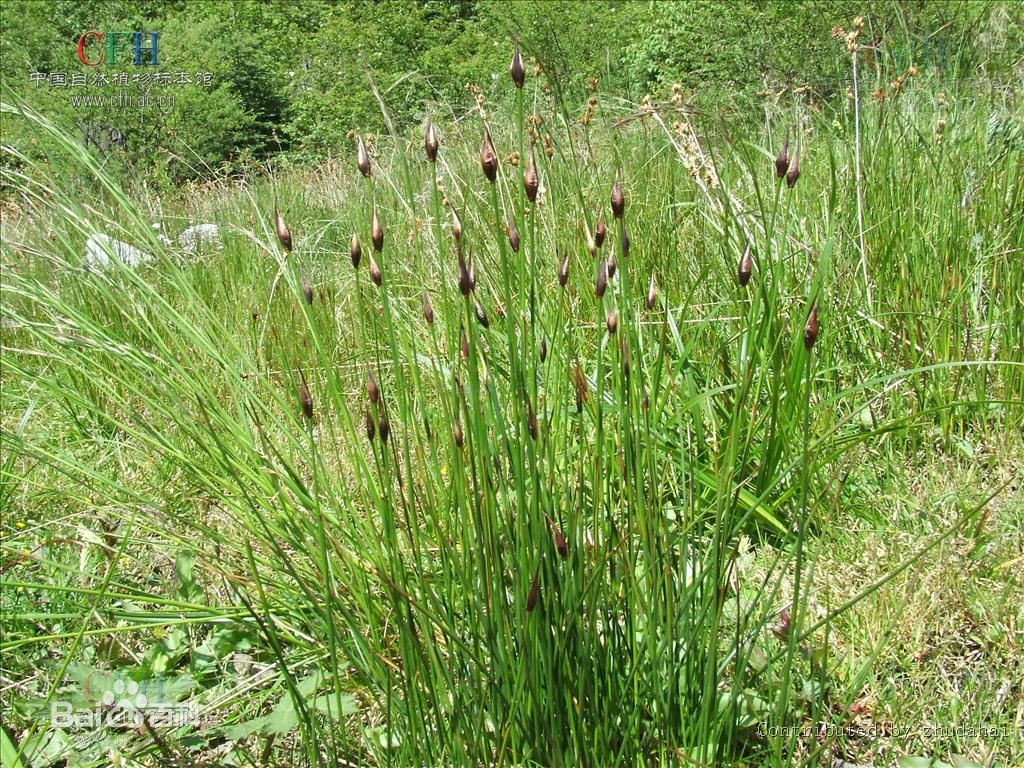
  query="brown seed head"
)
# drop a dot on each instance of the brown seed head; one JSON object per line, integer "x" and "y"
{"x": 618, "y": 199}
{"x": 600, "y": 231}
{"x": 534, "y": 596}
{"x": 531, "y": 179}
{"x": 489, "y": 158}
{"x": 561, "y": 545}
{"x": 428, "y": 310}
{"x": 362, "y": 158}
{"x": 602, "y": 279}
{"x": 612, "y": 321}
{"x": 746, "y": 266}
{"x": 430, "y": 144}
{"x": 793, "y": 171}
{"x": 305, "y": 398}
{"x": 481, "y": 316}
{"x": 563, "y": 272}
{"x": 384, "y": 427}
{"x": 356, "y": 251}
{"x": 372, "y": 388}
{"x": 624, "y": 241}
{"x": 513, "y": 235}
{"x": 782, "y": 628}
{"x": 782, "y": 160}
{"x": 282, "y": 231}
{"x": 371, "y": 428}
{"x": 543, "y": 350}
{"x": 612, "y": 266}
{"x": 582, "y": 390}
{"x": 516, "y": 68}
{"x": 456, "y": 227}
{"x": 531, "y": 420}
{"x": 467, "y": 278}
{"x": 457, "y": 434}
{"x": 375, "y": 273}
{"x": 377, "y": 232}
{"x": 307, "y": 290}
{"x": 812, "y": 327}
{"x": 652, "y": 293}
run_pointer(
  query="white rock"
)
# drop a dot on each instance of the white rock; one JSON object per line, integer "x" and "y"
{"x": 164, "y": 239}
{"x": 101, "y": 248}
{"x": 197, "y": 235}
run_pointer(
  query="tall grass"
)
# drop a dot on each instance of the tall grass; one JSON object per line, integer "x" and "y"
{"x": 512, "y": 529}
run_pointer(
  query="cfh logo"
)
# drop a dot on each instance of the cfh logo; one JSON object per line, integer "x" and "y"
{"x": 96, "y": 48}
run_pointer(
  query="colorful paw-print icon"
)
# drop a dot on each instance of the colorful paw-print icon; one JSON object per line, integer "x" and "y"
{"x": 126, "y": 694}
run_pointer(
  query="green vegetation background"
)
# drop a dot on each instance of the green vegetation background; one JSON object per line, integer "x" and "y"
{"x": 291, "y": 80}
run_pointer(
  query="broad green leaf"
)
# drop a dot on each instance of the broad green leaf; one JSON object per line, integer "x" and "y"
{"x": 184, "y": 566}
{"x": 8, "y": 752}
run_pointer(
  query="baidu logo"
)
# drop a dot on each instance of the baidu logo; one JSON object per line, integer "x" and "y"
{"x": 119, "y": 702}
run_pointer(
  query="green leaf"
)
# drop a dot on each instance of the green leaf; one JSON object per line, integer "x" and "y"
{"x": 247, "y": 728}
{"x": 184, "y": 566}
{"x": 220, "y": 644}
{"x": 328, "y": 704}
{"x": 913, "y": 761}
{"x": 8, "y": 752}
{"x": 283, "y": 718}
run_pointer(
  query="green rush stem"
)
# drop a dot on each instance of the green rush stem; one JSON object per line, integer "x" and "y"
{"x": 534, "y": 316}
{"x": 527, "y": 258}
{"x": 328, "y": 606}
{"x": 93, "y": 610}
{"x": 597, "y": 484}
{"x": 511, "y": 332}
{"x": 799, "y": 608}
{"x": 410, "y": 649}
{"x": 273, "y": 639}
{"x": 448, "y": 304}
{"x": 488, "y": 544}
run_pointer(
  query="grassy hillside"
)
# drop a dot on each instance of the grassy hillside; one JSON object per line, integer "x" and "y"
{"x": 646, "y": 438}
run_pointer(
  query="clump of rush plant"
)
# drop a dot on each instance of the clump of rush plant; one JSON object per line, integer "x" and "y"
{"x": 539, "y": 515}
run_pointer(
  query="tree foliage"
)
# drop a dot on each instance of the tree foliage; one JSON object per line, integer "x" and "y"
{"x": 292, "y": 80}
